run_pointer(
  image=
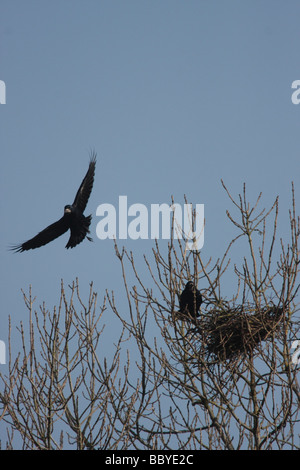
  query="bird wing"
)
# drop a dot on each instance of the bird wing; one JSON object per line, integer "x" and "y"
{"x": 84, "y": 191}
{"x": 183, "y": 301}
{"x": 45, "y": 236}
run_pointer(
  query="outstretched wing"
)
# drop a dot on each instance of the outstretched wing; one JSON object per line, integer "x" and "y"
{"x": 45, "y": 236}
{"x": 83, "y": 193}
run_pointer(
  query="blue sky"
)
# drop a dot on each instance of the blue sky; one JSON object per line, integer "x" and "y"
{"x": 173, "y": 95}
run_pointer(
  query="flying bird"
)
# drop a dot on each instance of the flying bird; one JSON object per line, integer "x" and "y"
{"x": 190, "y": 300}
{"x": 73, "y": 218}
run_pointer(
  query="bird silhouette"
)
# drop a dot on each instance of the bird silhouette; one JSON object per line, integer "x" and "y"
{"x": 190, "y": 300}
{"x": 73, "y": 218}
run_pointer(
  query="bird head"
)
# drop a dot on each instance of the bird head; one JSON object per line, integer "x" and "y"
{"x": 189, "y": 285}
{"x": 68, "y": 209}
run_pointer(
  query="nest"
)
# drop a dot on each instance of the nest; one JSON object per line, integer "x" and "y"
{"x": 230, "y": 333}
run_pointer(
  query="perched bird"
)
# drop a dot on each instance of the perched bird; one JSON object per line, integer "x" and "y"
{"x": 190, "y": 300}
{"x": 72, "y": 219}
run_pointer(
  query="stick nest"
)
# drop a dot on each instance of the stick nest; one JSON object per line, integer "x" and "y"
{"x": 229, "y": 333}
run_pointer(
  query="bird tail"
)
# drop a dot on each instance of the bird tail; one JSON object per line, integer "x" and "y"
{"x": 79, "y": 231}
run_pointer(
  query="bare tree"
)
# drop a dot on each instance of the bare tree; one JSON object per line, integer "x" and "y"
{"x": 223, "y": 381}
